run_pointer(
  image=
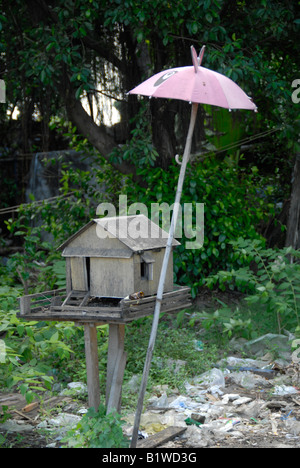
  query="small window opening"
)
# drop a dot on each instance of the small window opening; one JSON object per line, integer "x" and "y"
{"x": 147, "y": 271}
{"x": 88, "y": 272}
{"x": 144, "y": 270}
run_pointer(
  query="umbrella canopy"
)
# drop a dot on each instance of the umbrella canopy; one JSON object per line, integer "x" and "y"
{"x": 196, "y": 84}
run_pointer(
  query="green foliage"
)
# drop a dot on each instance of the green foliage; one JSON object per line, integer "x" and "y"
{"x": 40, "y": 266}
{"x": 268, "y": 276}
{"x": 172, "y": 344}
{"x": 164, "y": 17}
{"x": 33, "y": 355}
{"x": 31, "y": 349}
{"x": 254, "y": 43}
{"x": 139, "y": 150}
{"x": 222, "y": 188}
{"x": 97, "y": 429}
{"x": 228, "y": 321}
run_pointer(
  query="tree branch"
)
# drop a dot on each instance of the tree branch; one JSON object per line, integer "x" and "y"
{"x": 96, "y": 134}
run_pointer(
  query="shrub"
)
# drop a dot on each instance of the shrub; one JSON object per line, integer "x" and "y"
{"x": 268, "y": 277}
{"x": 97, "y": 429}
{"x": 231, "y": 208}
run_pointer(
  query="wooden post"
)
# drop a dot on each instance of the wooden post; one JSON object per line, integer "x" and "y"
{"x": 24, "y": 305}
{"x": 92, "y": 366}
{"x": 116, "y": 361}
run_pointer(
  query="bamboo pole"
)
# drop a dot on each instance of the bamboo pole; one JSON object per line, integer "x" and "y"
{"x": 162, "y": 278}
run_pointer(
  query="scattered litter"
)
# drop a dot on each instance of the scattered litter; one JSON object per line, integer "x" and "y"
{"x": 75, "y": 388}
{"x": 60, "y": 424}
{"x": 272, "y": 342}
{"x": 239, "y": 388}
{"x": 229, "y": 402}
{"x": 198, "y": 417}
{"x": 12, "y": 425}
{"x": 241, "y": 401}
{"x": 198, "y": 345}
{"x": 284, "y": 390}
{"x": 154, "y": 427}
{"x": 229, "y": 397}
{"x": 293, "y": 427}
{"x": 211, "y": 378}
{"x": 284, "y": 418}
{"x": 190, "y": 421}
{"x": 238, "y": 363}
{"x": 229, "y": 425}
{"x": 248, "y": 379}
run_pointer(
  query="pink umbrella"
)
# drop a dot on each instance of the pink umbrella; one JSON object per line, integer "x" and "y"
{"x": 196, "y": 85}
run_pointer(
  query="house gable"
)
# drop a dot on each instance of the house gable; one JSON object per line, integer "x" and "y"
{"x": 88, "y": 243}
{"x": 116, "y": 237}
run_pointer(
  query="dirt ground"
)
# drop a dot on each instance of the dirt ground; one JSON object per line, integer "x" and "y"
{"x": 27, "y": 417}
{"x": 252, "y": 435}
{"x": 268, "y": 430}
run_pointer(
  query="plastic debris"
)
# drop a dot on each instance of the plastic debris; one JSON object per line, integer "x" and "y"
{"x": 213, "y": 380}
{"x": 190, "y": 421}
{"x": 198, "y": 345}
{"x": 75, "y": 388}
{"x": 229, "y": 425}
{"x": 241, "y": 401}
{"x": 284, "y": 390}
{"x": 293, "y": 426}
{"x": 209, "y": 396}
{"x": 248, "y": 379}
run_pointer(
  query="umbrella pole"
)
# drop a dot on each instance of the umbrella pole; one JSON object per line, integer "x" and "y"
{"x": 161, "y": 284}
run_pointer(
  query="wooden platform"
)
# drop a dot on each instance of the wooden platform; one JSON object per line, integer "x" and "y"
{"x": 90, "y": 312}
{"x": 78, "y": 306}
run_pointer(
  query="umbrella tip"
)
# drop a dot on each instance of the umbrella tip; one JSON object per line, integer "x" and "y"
{"x": 201, "y": 54}
{"x": 197, "y": 60}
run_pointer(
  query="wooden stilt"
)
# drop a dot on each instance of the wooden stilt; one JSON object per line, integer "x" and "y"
{"x": 116, "y": 361}
{"x": 92, "y": 365}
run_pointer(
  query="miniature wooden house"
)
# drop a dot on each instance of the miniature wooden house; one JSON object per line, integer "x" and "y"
{"x": 107, "y": 261}
{"x": 114, "y": 257}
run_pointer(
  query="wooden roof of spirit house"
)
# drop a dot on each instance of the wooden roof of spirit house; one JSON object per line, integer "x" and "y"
{"x": 117, "y": 256}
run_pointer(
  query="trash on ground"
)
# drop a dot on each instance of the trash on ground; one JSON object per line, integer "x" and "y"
{"x": 232, "y": 400}
{"x": 238, "y": 400}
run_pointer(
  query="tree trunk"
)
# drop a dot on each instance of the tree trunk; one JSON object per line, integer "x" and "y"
{"x": 163, "y": 120}
{"x": 293, "y": 226}
{"x": 96, "y": 134}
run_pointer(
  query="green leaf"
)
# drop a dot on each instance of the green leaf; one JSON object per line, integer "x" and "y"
{"x": 140, "y": 36}
{"x": 54, "y": 337}
{"x": 50, "y": 46}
